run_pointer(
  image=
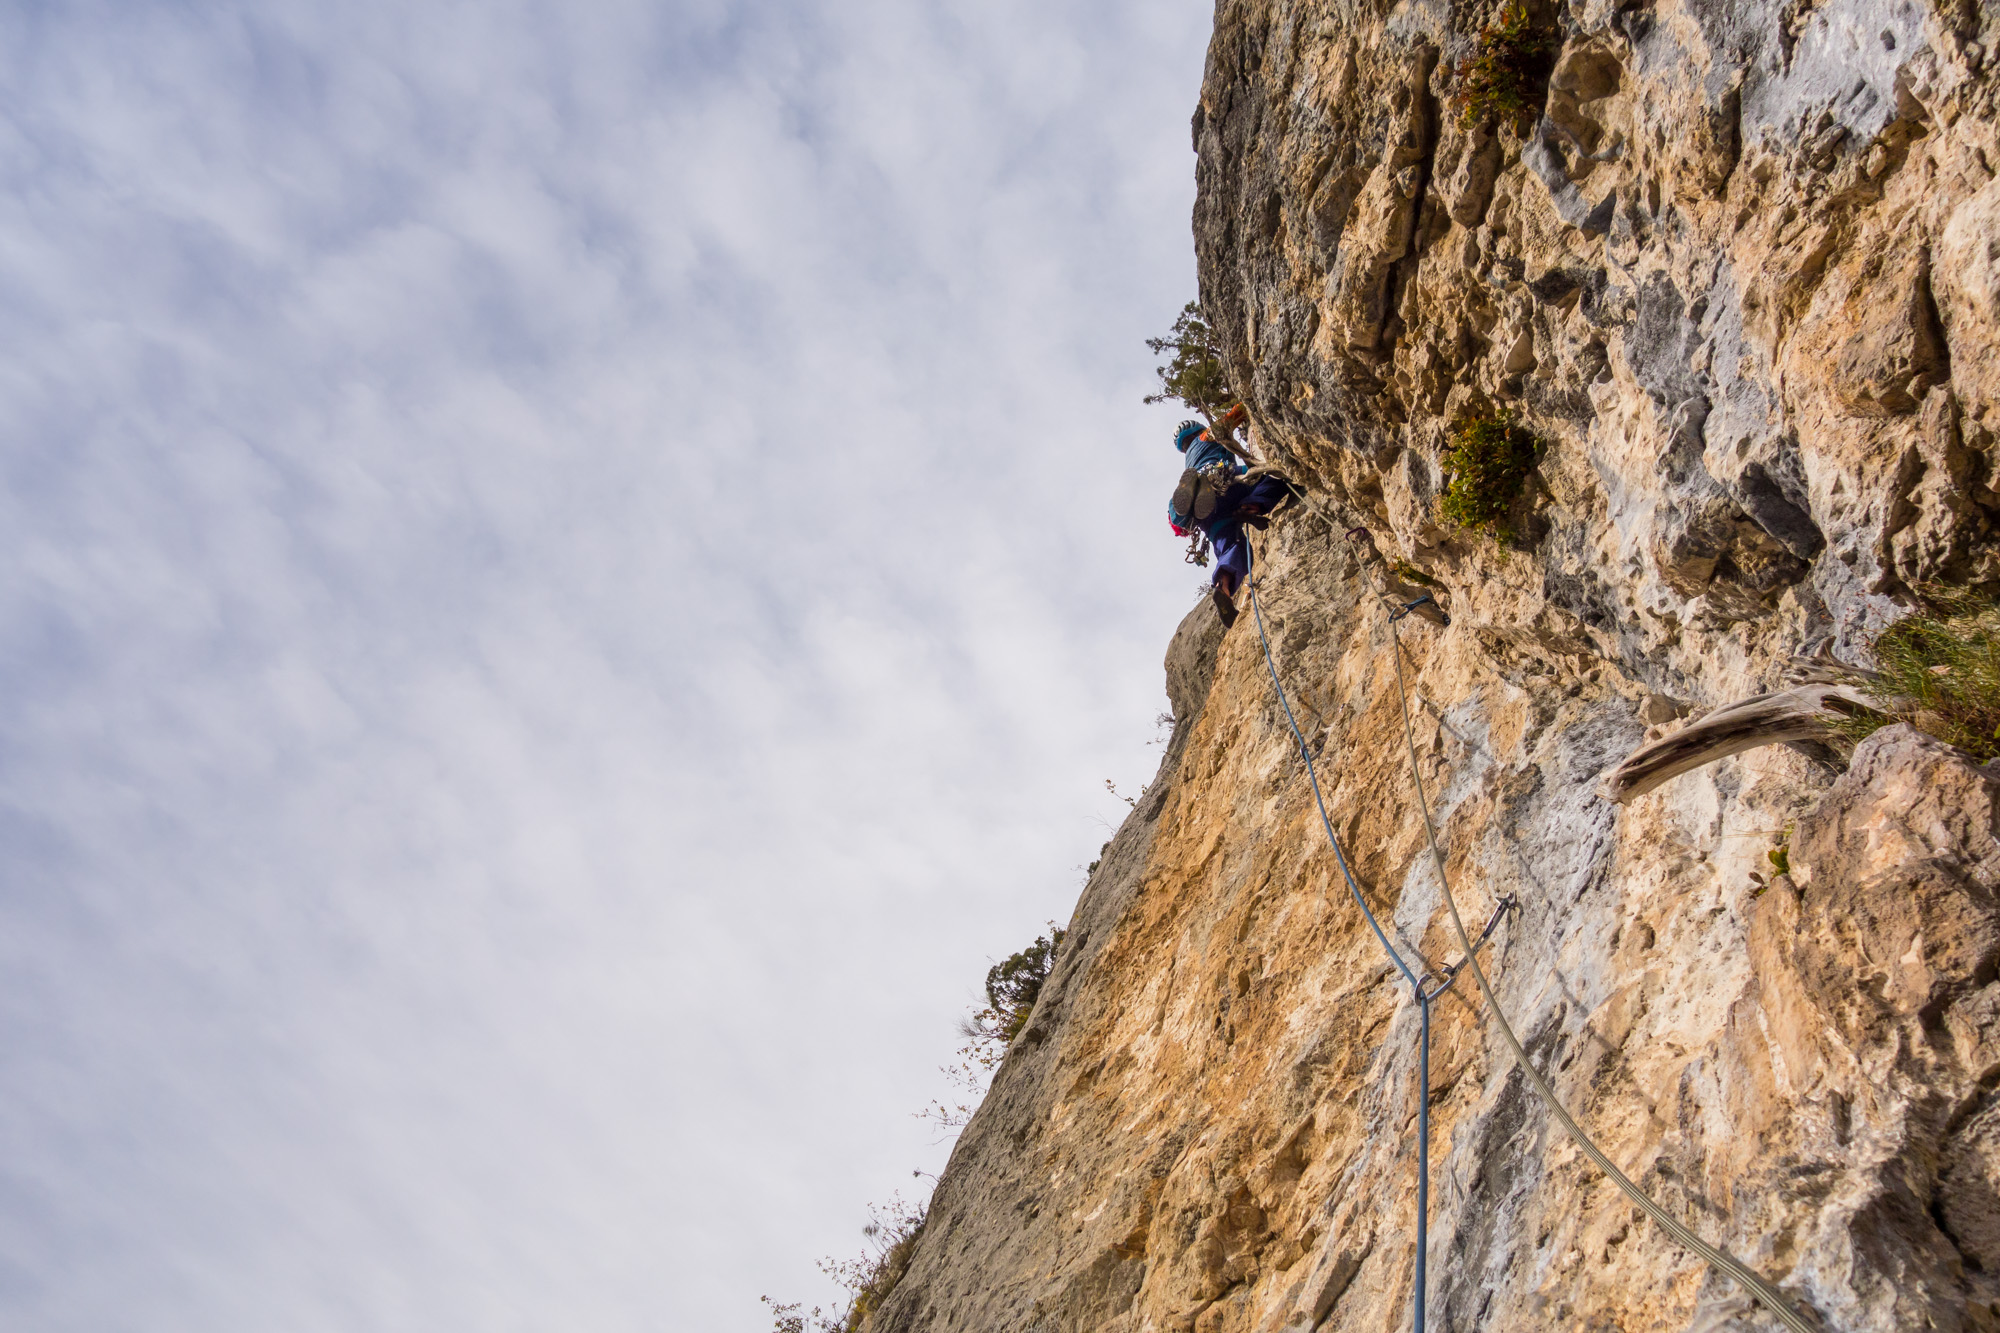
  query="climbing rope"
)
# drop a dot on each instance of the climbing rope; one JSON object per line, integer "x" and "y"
{"x": 1762, "y": 1291}
{"x": 1312, "y": 775}
{"x": 1423, "y": 995}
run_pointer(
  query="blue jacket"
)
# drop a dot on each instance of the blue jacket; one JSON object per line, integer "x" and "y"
{"x": 1205, "y": 451}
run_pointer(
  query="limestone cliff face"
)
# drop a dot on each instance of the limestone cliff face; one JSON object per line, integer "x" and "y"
{"x": 1744, "y": 277}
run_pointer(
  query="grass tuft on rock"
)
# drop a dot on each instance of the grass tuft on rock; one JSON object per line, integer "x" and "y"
{"x": 1940, "y": 672}
{"x": 1487, "y": 460}
{"x": 1507, "y": 72}
{"x": 895, "y": 1232}
{"x": 1409, "y": 573}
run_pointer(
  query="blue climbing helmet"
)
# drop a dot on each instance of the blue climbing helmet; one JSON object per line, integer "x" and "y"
{"x": 1185, "y": 435}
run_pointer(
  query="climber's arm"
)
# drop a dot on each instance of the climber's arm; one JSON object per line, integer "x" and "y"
{"x": 1224, "y": 433}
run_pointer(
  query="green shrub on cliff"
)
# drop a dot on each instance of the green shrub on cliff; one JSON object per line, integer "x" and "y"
{"x": 1487, "y": 460}
{"x": 1195, "y": 374}
{"x": 1012, "y": 987}
{"x": 1505, "y": 74}
{"x": 1940, "y": 672}
{"x": 892, "y": 1231}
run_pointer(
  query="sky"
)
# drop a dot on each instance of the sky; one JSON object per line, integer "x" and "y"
{"x": 570, "y": 576}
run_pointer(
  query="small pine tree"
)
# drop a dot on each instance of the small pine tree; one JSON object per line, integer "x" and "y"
{"x": 1195, "y": 375}
{"x": 1012, "y": 987}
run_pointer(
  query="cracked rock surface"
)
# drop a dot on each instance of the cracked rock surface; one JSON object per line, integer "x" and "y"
{"x": 1742, "y": 275}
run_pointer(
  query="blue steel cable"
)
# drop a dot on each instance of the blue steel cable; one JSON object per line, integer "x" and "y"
{"x": 1423, "y": 1151}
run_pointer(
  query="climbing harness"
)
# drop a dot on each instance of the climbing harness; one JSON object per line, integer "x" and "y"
{"x": 1444, "y": 978}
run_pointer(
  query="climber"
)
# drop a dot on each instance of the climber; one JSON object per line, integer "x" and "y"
{"x": 1217, "y": 496}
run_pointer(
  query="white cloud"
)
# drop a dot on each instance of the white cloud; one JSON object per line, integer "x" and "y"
{"x": 572, "y": 573}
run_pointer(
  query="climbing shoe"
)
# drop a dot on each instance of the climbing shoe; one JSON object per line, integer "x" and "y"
{"x": 1184, "y": 494}
{"x": 1225, "y": 606}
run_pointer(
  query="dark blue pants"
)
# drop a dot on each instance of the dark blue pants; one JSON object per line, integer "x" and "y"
{"x": 1232, "y": 547}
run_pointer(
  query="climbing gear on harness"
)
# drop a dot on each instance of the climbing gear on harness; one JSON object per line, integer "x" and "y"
{"x": 1197, "y": 550}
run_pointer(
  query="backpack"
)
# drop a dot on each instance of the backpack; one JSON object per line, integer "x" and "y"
{"x": 1199, "y": 495}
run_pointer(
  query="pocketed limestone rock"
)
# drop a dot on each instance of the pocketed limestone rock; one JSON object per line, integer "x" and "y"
{"x": 1877, "y": 979}
{"x": 1968, "y": 281}
{"x": 1897, "y": 353}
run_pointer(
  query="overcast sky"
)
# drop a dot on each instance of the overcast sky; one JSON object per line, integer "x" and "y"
{"x": 570, "y": 575}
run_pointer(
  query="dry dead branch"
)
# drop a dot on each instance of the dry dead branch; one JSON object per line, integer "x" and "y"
{"x": 1802, "y": 713}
